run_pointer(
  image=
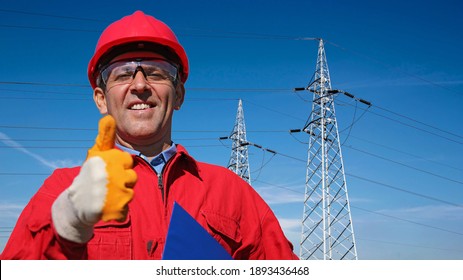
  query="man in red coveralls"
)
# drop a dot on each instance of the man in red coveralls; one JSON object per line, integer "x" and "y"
{"x": 117, "y": 205}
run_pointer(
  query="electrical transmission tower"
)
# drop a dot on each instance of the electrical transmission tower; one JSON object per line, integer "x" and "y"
{"x": 239, "y": 156}
{"x": 327, "y": 231}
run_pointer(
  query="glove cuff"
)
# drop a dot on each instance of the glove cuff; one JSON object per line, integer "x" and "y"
{"x": 67, "y": 223}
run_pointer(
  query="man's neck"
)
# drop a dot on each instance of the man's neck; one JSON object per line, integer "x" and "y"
{"x": 149, "y": 151}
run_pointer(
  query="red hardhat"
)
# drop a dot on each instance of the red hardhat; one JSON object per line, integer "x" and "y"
{"x": 136, "y": 28}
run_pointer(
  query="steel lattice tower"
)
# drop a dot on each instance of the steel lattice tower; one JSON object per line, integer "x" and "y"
{"x": 327, "y": 231}
{"x": 239, "y": 156}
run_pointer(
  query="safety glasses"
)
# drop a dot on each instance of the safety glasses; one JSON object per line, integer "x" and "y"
{"x": 124, "y": 71}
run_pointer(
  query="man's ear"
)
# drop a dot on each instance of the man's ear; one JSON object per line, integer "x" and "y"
{"x": 179, "y": 95}
{"x": 100, "y": 100}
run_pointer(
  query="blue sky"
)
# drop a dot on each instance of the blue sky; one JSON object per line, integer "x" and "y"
{"x": 402, "y": 156}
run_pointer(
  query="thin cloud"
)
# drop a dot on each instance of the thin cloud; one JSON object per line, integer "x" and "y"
{"x": 10, "y": 210}
{"x": 428, "y": 212}
{"x": 278, "y": 196}
{"x": 291, "y": 224}
{"x": 5, "y": 139}
{"x": 66, "y": 162}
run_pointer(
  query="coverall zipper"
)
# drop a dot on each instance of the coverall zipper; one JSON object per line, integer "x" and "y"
{"x": 161, "y": 185}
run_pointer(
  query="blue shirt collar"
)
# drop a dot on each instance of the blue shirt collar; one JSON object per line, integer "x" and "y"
{"x": 159, "y": 161}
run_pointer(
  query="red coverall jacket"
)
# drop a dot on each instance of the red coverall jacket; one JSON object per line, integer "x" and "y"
{"x": 227, "y": 207}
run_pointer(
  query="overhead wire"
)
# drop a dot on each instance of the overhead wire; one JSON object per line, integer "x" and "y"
{"x": 405, "y": 165}
{"x": 24, "y": 174}
{"x": 304, "y": 161}
{"x": 270, "y": 109}
{"x": 408, "y": 221}
{"x": 407, "y": 153}
{"x": 51, "y": 15}
{"x": 279, "y": 186}
{"x": 42, "y": 92}
{"x": 401, "y": 189}
{"x": 43, "y": 98}
{"x": 414, "y": 126}
{"x": 234, "y": 35}
{"x": 354, "y": 121}
{"x": 281, "y": 154}
{"x": 43, "y": 84}
{"x": 383, "y": 184}
{"x": 374, "y": 212}
{"x": 214, "y": 138}
{"x": 391, "y": 216}
{"x": 211, "y": 89}
{"x": 48, "y": 28}
{"x": 407, "y": 244}
{"x": 95, "y": 129}
{"x": 388, "y": 66}
{"x": 238, "y": 35}
{"x": 195, "y": 131}
{"x": 419, "y": 122}
{"x": 262, "y": 165}
{"x": 298, "y": 159}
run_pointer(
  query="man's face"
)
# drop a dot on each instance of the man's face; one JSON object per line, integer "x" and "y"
{"x": 142, "y": 106}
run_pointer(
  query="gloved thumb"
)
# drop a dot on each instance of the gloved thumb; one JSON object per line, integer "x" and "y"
{"x": 106, "y": 134}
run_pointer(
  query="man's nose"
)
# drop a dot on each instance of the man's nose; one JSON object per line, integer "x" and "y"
{"x": 139, "y": 83}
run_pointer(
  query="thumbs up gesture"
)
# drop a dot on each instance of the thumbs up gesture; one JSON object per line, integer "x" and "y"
{"x": 101, "y": 191}
{"x": 117, "y": 178}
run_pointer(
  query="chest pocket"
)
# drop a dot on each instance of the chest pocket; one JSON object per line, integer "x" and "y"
{"x": 224, "y": 229}
{"x": 111, "y": 241}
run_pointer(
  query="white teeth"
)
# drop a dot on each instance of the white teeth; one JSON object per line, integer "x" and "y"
{"x": 139, "y": 106}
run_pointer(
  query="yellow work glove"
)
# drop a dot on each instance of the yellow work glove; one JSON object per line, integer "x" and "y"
{"x": 120, "y": 177}
{"x": 101, "y": 191}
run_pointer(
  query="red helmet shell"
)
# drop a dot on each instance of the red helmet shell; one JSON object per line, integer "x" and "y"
{"x": 137, "y": 27}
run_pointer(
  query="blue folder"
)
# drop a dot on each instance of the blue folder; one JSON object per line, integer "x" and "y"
{"x": 188, "y": 240}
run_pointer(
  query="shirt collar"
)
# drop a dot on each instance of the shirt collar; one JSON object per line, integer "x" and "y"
{"x": 159, "y": 161}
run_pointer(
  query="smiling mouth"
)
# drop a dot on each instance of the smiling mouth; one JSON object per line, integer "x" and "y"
{"x": 140, "y": 106}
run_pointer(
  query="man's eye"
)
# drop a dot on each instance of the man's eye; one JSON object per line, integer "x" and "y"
{"x": 156, "y": 75}
{"x": 122, "y": 76}
{"x": 121, "y": 73}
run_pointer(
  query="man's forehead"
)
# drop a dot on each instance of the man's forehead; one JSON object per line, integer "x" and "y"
{"x": 137, "y": 54}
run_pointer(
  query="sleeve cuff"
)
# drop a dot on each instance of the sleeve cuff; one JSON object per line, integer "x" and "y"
{"x": 66, "y": 223}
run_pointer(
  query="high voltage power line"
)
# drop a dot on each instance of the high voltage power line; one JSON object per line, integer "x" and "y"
{"x": 416, "y": 127}
{"x": 210, "y": 145}
{"x": 6, "y": 229}
{"x": 192, "y": 131}
{"x": 405, "y": 165}
{"x": 408, "y": 221}
{"x": 400, "y": 115}
{"x": 215, "y": 138}
{"x": 273, "y": 110}
{"x": 51, "y": 15}
{"x": 388, "y": 66}
{"x": 231, "y": 35}
{"x": 264, "y": 149}
{"x": 401, "y": 189}
{"x": 382, "y": 214}
{"x": 260, "y": 36}
{"x": 216, "y": 131}
{"x": 407, "y": 153}
{"x": 363, "y": 209}
{"x": 409, "y": 245}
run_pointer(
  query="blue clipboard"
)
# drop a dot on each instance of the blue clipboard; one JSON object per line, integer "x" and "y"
{"x": 188, "y": 240}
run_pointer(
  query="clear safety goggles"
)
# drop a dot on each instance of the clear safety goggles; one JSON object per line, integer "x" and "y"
{"x": 155, "y": 70}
